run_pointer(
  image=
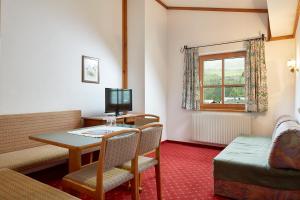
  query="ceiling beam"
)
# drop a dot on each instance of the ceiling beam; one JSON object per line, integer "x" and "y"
{"x": 212, "y": 9}
{"x": 162, "y": 3}
{"x": 284, "y": 37}
{"x": 219, "y": 9}
{"x": 296, "y": 19}
{"x": 124, "y": 45}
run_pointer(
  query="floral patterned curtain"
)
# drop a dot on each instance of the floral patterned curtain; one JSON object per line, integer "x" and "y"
{"x": 256, "y": 77}
{"x": 191, "y": 82}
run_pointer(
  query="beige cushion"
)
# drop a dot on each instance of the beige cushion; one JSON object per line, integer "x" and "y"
{"x": 24, "y": 160}
{"x": 144, "y": 163}
{"x": 111, "y": 178}
{"x": 18, "y": 186}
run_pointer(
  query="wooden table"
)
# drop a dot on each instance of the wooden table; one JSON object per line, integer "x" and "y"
{"x": 75, "y": 143}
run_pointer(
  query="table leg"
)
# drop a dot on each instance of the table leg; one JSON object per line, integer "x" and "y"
{"x": 74, "y": 159}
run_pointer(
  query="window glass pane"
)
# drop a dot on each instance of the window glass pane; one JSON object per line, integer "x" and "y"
{"x": 212, "y": 95}
{"x": 212, "y": 72}
{"x": 234, "y": 71}
{"x": 234, "y": 95}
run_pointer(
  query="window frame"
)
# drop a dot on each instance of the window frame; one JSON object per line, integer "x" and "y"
{"x": 222, "y": 106}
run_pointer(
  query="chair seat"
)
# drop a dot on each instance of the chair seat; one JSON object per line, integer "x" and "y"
{"x": 18, "y": 186}
{"x": 25, "y": 160}
{"x": 144, "y": 163}
{"x": 88, "y": 176}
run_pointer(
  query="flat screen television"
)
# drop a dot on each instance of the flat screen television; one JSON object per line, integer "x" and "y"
{"x": 118, "y": 100}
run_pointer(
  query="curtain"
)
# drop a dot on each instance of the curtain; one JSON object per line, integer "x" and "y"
{"x": 256, "y": 77}
{"x": 191, "y": 82}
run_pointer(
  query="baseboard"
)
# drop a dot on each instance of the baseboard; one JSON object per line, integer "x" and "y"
{"x": 198, "y": 144}
{"x": 164, "y": 141}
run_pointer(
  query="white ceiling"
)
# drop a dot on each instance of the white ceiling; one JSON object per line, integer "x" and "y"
{"x": 282, "y": 16}
{"x": 219, "y": 3}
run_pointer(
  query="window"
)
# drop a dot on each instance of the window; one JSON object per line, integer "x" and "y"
{"x": 222, "y": 81}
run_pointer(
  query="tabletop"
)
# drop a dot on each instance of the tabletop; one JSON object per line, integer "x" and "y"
{"x": 71, "y": 141}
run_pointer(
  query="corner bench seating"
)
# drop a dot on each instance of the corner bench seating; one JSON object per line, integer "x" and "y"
{"x": 18, "y": 186}
{"x": 244, "y": 169}
{"x": 19, "y": 153}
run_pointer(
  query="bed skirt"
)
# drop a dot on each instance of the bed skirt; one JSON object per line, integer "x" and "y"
{"x": 242, "y": 191}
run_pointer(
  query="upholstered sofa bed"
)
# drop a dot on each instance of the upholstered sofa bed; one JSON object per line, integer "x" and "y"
{"x": 261, "y": 167}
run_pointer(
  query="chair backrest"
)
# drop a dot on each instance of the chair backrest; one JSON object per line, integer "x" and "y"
{"x": 144, "y": 119}
{"x": 15, "y": 129}
{"x": 119, "y": 147}
{"x": 150, "y": 137}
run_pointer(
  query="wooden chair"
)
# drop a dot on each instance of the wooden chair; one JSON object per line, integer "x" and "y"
{"x": 149, "y": 142}
{"x": 97, "y": 178}
{"x": 144, "y": 119}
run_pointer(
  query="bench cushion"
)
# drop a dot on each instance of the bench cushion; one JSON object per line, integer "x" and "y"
{"x": 18, "y": 186}
{"x": 245, "y": 160}
{"x": 15, "y": 129}
{"x": 285, "y": 148}
{"x": 25, "y": 160}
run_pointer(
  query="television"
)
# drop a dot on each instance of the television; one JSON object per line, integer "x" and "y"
{"x": 118, "y": 100}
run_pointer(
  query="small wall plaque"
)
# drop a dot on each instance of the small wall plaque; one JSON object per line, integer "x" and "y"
{"x": 90, "y": 70}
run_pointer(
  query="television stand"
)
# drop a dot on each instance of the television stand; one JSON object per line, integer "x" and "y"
{"x": 101, "y": 120}
{"x": 117, "y": 113}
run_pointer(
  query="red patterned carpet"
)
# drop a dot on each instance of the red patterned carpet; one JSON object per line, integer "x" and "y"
{"x": 186, "y": 175}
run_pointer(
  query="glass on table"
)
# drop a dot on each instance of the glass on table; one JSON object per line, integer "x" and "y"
{"x": 111, "y": 121}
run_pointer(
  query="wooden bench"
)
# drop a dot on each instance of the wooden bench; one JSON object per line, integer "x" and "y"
{"x": 18, "y": 186}
{"x": 19, "y": 153}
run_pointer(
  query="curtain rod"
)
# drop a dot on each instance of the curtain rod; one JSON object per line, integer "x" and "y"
{"x": 229, "y": 42}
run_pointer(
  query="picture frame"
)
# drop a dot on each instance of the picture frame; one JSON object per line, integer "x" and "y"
{"x": 90, "y": 70}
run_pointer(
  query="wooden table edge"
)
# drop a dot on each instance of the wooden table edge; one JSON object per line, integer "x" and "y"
{"x": 65, "y": 145}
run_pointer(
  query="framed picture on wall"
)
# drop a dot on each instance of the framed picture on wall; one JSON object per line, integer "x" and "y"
{"x": 90, "y": 70}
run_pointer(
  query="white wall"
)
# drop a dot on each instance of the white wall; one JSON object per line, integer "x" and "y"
{"x": 147, "y": 57}
{"x": 297, "y": 88}
{"x": 156, "y": 61}
{"x": 136, "y": 53}
{"x": 1, "y": 68}
{"x": 281, "y": 86}
{"x": 194, "y": 28}
{"x": 42, "y": 45}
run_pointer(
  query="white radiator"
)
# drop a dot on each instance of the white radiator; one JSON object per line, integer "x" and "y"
{"x": 220, "y": 128}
